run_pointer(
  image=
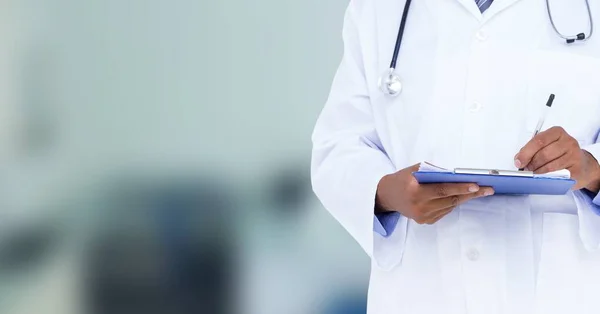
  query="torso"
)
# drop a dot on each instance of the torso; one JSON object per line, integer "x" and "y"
{"x": 472, "y": 96}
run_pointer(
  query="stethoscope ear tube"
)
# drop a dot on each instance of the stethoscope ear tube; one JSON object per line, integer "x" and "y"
{"x": 578, "y": 37}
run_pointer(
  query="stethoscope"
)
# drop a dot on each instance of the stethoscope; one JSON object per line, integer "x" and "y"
{"x": 391, "y": 84}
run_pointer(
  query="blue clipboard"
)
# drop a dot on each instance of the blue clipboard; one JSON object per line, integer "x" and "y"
{"x": 503, "y": 182}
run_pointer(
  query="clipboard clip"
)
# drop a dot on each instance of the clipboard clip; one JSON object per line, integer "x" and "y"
{"x": 495, "y": 172}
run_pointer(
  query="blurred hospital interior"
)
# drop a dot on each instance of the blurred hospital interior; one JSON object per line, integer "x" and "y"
{"x": 155, "y": 159}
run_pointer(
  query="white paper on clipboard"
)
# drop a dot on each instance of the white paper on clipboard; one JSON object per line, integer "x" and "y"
{"x": 560, "y": 174}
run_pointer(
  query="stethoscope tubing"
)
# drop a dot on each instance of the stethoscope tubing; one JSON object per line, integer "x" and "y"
{"x": 400, "y": 34}
{"x": 390, "y": 83}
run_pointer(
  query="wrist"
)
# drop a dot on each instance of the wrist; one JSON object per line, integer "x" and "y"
{"x": 594, "y": 172}
{"x": 380, "y": 203}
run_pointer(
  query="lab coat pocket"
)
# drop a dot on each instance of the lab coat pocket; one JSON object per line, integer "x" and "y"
{"x": 575, "y": 80}
{"x": 568, "y": 275}
{"x": 559, "y": 274}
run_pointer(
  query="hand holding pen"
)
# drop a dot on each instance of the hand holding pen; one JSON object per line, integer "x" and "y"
{"x": 553, "y": 150}
{"x": 538, "y": 127}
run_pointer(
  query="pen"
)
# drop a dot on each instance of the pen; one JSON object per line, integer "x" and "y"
{"x": 540, "y": 123}
{"x": 538, "y": 128}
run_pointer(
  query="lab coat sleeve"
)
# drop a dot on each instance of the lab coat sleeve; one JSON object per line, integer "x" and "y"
{"x": 588, "y": 208}
{"x": 348, "y": 158}
{"x": 385, "y": 224}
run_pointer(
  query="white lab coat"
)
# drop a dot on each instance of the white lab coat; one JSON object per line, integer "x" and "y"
{"x": 474, "y": 87}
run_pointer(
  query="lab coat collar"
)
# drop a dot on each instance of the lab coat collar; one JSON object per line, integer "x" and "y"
{"x": 496, "y": 7}
{"x": 471, "y": 6}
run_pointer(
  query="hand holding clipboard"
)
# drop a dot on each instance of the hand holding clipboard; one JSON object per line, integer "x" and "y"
{"x": 424, "y": 203}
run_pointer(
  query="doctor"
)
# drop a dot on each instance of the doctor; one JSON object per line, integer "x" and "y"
{"x": 469, "y": 85}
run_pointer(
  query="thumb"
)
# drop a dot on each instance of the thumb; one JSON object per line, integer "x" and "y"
{"x": 414, "y": 168}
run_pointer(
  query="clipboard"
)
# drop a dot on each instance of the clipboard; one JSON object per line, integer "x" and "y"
{"x": 504, "y": 182}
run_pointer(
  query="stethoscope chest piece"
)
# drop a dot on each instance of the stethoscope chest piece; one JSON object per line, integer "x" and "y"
{"x": 390, "y": 83}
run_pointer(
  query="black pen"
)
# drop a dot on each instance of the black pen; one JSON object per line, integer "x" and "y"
{"x": 538, "y": 128}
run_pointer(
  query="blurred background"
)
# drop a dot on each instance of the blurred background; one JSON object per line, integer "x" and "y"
{"x": 154, "y": 158}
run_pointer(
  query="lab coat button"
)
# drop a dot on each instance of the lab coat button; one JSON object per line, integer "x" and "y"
{"x": 481, "y": 35}
{"x": 473, "y": 254}
{"x": 475, "y": 107}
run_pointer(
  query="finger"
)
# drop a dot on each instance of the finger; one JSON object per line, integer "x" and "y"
{"x": 455, "y": 200}
{"x": 439, "y": 215}
{"x": 432, "y": 216}
{"x": 540, "y": 141}
{"x": 563, "y": 162}
{"x": 444, "y": 190}
{"x": 547, "y": 154}
{"x": 436, "y": 208}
